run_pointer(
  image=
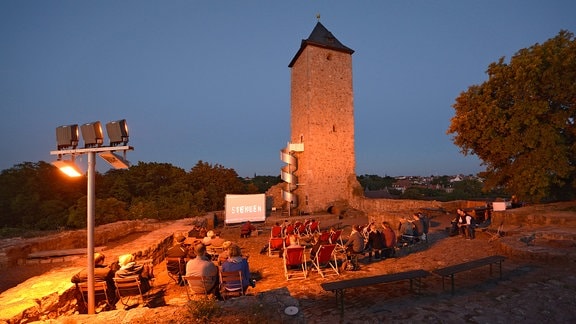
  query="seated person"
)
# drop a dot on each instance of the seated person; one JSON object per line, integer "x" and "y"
{"x": 236, "y": 262}
{"x": 355, "y": 243}
{"x": 389, "y": 240}
{"x": 354, "y": 246}
{"x": 246, "y": 229}
{"x": 202, "y": 266}
{"x": 177, "y": 251}
{"x": 375, "y": 242}
{"x": 101, "y": 273}
{"x": 129, "y": 267}
{"x": 225, "y": 254}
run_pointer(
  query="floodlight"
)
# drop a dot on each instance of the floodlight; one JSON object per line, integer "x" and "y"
{"x": 117, "y": 132}
{"x": 92, "y": 134}
{"x": 67, "y": 136}
{"x": 115, "y": 160}
{"x": 68, "y": 167}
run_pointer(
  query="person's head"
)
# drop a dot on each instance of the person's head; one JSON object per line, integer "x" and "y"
{"x": 416, "y": 216}
{"x": 373, "y": 227}
{"x": 226, "y": 245}
{"x": 356, "y": 228}
{"x": 234, "y": 250}
{"x": 125, "y": 259}
{"x": 98, "y": 258}
{"x": 179, "y": 238}
{"x": 211, "y": 234}
{"x": 200, "y": 249}
{"x": 293, "y": 240}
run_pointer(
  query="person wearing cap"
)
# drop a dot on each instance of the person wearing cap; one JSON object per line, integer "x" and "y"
{"x": 129, "y": 267}
{"x": 246, "y": 229}
{"x": 178, "y": 251}
{"x": 102, "y": 272}
{"x": 201, "y": 265}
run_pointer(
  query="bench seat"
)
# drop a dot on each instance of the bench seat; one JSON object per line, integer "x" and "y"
{"x": 450, "y": 271}
{"x": 338, "y": 287}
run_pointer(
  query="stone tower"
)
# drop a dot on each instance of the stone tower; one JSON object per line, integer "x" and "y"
{"x": 320, "y": 157}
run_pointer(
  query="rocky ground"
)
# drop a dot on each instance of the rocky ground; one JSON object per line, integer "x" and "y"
{"x": 530, "y": 291}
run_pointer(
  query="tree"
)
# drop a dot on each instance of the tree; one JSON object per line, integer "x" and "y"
{"x": 520, "y": 122}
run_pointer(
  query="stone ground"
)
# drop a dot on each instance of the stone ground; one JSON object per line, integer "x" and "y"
{"x": 532, "y": 290}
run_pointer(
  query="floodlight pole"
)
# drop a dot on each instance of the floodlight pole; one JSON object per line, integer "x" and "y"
{"x": 91, "y": 209}
{"x": 90, "y": 219}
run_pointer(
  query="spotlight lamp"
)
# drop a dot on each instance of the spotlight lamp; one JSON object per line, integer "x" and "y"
{"x": 92, "y": 134}
{"x": 117, "y": 132}
{"x": 68, "y": 167}
{"x": 115, "y": 160}
{"x": 67, "y": 136}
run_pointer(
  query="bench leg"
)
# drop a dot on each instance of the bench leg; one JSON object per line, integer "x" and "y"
{"x": 340, "y": 300}
{"x": 452, "y": 282}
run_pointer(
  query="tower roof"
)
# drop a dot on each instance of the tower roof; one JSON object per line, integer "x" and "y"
{"x": 322, "y": 37}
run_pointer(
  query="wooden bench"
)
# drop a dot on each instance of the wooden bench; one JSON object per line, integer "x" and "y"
{"x": 450, "y": 271}
{"x": 339, "y": 286}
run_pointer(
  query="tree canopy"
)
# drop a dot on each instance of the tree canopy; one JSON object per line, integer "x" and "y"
{"x": 520, "y": 122}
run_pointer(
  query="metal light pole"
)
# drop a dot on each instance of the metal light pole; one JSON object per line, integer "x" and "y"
{"x": 90, "y": 222}
{"x": 67, "y": 136}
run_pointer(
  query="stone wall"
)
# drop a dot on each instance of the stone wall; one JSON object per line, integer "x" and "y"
{"x": 16, "y": 250}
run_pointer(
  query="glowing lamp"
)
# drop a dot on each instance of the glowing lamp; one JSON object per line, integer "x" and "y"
{"x": 68, "y": 167}
{"x": 92, "y": 134}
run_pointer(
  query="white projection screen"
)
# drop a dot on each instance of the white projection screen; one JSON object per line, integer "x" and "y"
{"x": 242, "y": 208}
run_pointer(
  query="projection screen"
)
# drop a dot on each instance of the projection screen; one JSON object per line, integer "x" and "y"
{"x": 242, "y": 208}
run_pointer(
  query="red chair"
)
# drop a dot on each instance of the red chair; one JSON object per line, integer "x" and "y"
{"x": 275, "y": 244}
{"x": 325, "y": 237}
{"x": 326, "y": 259}
{"x": 289, "y": 230}
{"x": 295, "y": 263}
{"x": 276, "y": 231}
{"x": 313, "y": 227}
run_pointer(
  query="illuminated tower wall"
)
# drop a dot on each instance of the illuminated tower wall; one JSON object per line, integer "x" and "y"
{"x": 322, "y": 119}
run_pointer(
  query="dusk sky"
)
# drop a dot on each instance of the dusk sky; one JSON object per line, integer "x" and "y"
{"x": 209, "y": 80}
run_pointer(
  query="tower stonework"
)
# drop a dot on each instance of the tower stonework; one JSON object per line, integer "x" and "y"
{"x": 322, "y": 123}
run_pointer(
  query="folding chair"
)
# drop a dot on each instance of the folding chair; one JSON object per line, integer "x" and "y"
{"x": 336, "y": 238}
{"x": 495, "y": 235}
{"x": 192, "y": 285}
{"x": 100, "y": 291}
{"x": 231, "y": 284}
{"x": 326, "y": 258}
{"x": 128, "y": 288}
{"x": 294, "y": 257}
{"x": 324, "y": 237}
{"x": 314, "y": 227}
{"x": 276, "y": 231}
{"x": 176, "y": 268}
{"x": 289, "y": 230}
{"x": 275, "y": 244}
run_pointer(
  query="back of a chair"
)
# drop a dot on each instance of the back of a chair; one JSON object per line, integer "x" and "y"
{"x": 314, "y": 227}
{"x": 294, "y": 256}
{"x": 231, "y": 281}
{"x": 100, "y": 289}
{"x": 193, "y": 282}
{"x": 324, "y": 253}
{"x": 335, "y": 236}
{"x": 128, "y": 286}
{"x": 324, "y": 237}
{"x": 276, "y": 231}
{"x": 276, "y": 243}
{"x": 175, "y": 266}
{"x": 289, "y": 230}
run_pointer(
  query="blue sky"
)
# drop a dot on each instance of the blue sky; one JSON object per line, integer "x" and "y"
{"x": 209, "y": 80}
